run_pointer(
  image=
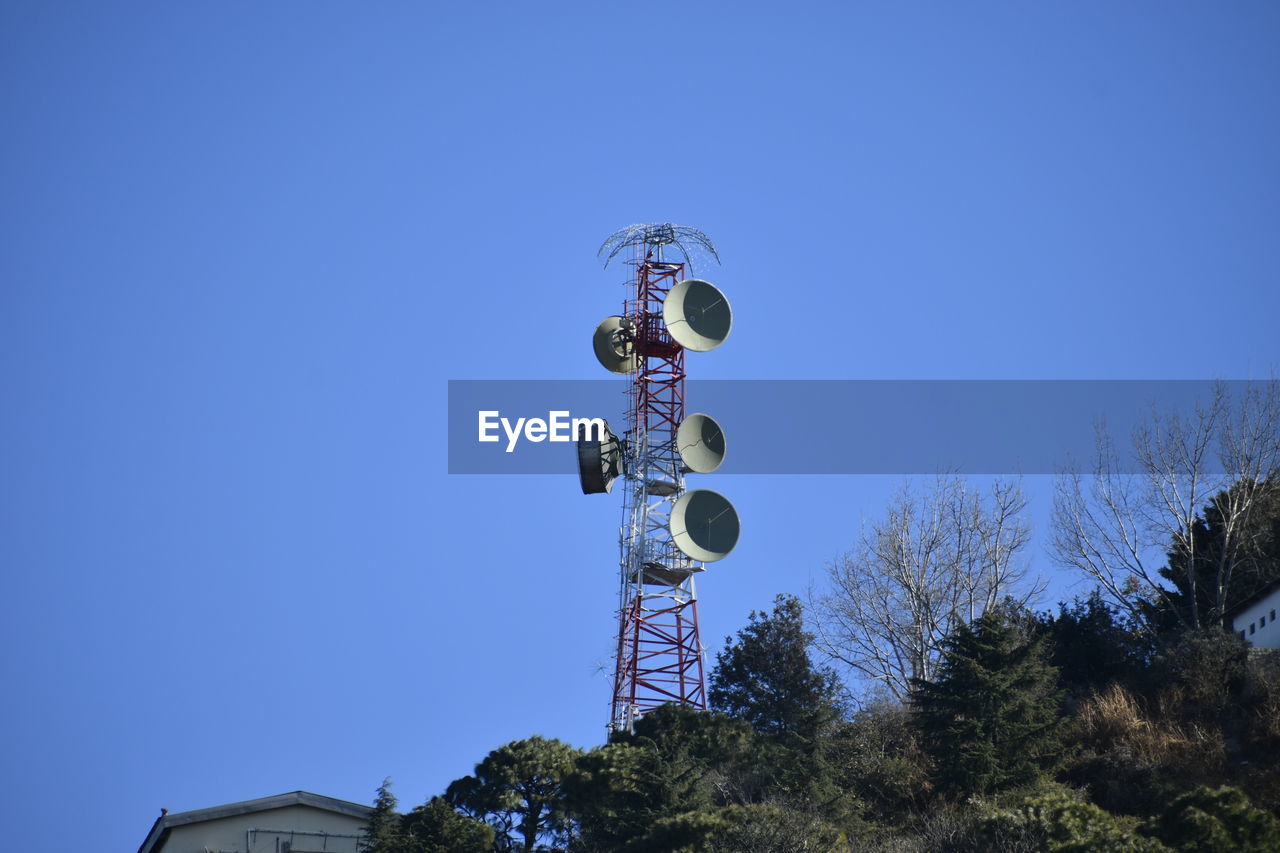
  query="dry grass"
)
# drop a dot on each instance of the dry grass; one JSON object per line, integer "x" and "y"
{"x": 1115, "y": 720}
{"x": 1112, "y": 716}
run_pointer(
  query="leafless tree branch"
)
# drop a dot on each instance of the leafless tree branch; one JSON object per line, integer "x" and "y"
{"x": 935, "y": 560}
{"x": 1118, "y": 527}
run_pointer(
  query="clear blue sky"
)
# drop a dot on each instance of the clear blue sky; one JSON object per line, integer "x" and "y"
{"x": 244, "y": 246}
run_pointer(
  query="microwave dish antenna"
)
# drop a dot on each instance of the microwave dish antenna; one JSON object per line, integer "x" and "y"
{"x": 697, "y": 315}
{"x": 614, "y": 344}
{"x": 704, "y": 525}
{"x": 700, "y": 443}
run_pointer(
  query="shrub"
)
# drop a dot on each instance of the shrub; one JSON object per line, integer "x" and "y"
{"x": 1205, "y": 674}
{"x": 877, "y": 756}
{"x": 1056, "y": 823}
{"x": 1216, "y": 821}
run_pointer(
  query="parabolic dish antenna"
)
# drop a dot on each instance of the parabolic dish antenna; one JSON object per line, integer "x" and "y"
{"x": 697, "y": 315}
{"x": 701, "y": 443}
{"x": 613, "y": 344}
{"x": 704, "y": 525}
{"x": 599, "y": 463}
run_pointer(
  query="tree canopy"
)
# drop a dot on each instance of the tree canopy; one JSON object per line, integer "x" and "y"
{"x": 987, "y": 756}
{"x": 382, "y": 833}
{"x": 437, "y": 827}
{"x": 990, "y": 719}
{"x": 516, "y": 789}
{"x": 766, "y": 675}
{"x": 1233, "y": 558}
{"x": 937, "y": 559}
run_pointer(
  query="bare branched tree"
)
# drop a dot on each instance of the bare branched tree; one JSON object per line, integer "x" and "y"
{"x": 1119, "y": 528}
{"x": 935, "y": 560}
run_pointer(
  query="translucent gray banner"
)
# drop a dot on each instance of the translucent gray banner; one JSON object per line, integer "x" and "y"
{"x": 829, "y": 426}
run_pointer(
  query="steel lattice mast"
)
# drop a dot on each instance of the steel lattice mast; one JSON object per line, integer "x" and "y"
{"x": 659, "y": 649}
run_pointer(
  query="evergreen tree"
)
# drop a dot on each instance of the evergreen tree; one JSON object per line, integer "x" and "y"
{"x": 990, "y": 719}
{"x": 771, "y": 828}
{"x": 690, "y": 832}
{"x": 1235, "y": 556}
{"x": 691, "y": 757}
{"x": 1095, "y": 644}
{"x": 382, "y": 833}
{"x": 676, "y": 762}
{"x": 436, "y": 827}
{"x": 614, "y": 794}
{"x": 767, "y": 678}
{"x": 1203, "y": 675}
{"x": 516, "y": 789}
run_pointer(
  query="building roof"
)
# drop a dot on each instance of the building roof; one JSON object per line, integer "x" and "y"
{"x": 164, "y": 823}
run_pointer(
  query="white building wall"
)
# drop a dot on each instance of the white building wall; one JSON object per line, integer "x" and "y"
{"x": 302, "y": 828}
{"x": 1258, "y": 624}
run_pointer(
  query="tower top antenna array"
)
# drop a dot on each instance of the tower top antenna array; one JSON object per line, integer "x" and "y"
{"x": 668, "y": 533}
{"x": 657, "y": 236}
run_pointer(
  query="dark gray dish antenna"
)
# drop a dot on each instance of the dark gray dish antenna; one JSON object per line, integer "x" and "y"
{"x": 599, "y": 462}
{"x": 614, "y": 345}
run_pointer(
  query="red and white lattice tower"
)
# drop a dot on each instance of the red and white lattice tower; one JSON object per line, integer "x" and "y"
{"x": 667, "y": 533}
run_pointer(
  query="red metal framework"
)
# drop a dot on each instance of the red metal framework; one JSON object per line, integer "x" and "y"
{"x": 659, "y": 649}
{"x": 660, "y": 660}
{"x": 658, "y": 391}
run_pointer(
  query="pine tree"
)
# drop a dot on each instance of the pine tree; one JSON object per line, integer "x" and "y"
{"x": 517, "y": 790}
{"x": 678, "y": 761}
{"x": 1095, "y": 644}
{"x": 990, "y": 719}
{"x": 767, "y": 678}
{"x": 382, "y": 833}
{"x": 436, "y": 827}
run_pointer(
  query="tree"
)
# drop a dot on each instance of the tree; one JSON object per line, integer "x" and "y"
{"x": 382, "y": 833}
{"x": 1254, "y": 565}
{"x": 990, "y": 719}
{"x": 1202, "y": 676}
{"x": 677, "y": 762}
{"x": 516, "y": 789}
{"x": 770, "y": 828}
{"x": 739, "y": 829}
{"x": 936, "y": 561}
{"x": 436, "y": 827}
{"x": 688, "y": 832}
{"x": 879, "y": 760}
{"x": 698, "y": 758}
{"x": 767, "y": 678}
{"x": 1115, "y": 526}
{"x": 614, "y": 795}
{"x": 1094, "y": 644}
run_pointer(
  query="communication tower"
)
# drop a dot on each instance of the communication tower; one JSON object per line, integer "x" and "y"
{"x": 667, "y": 533}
